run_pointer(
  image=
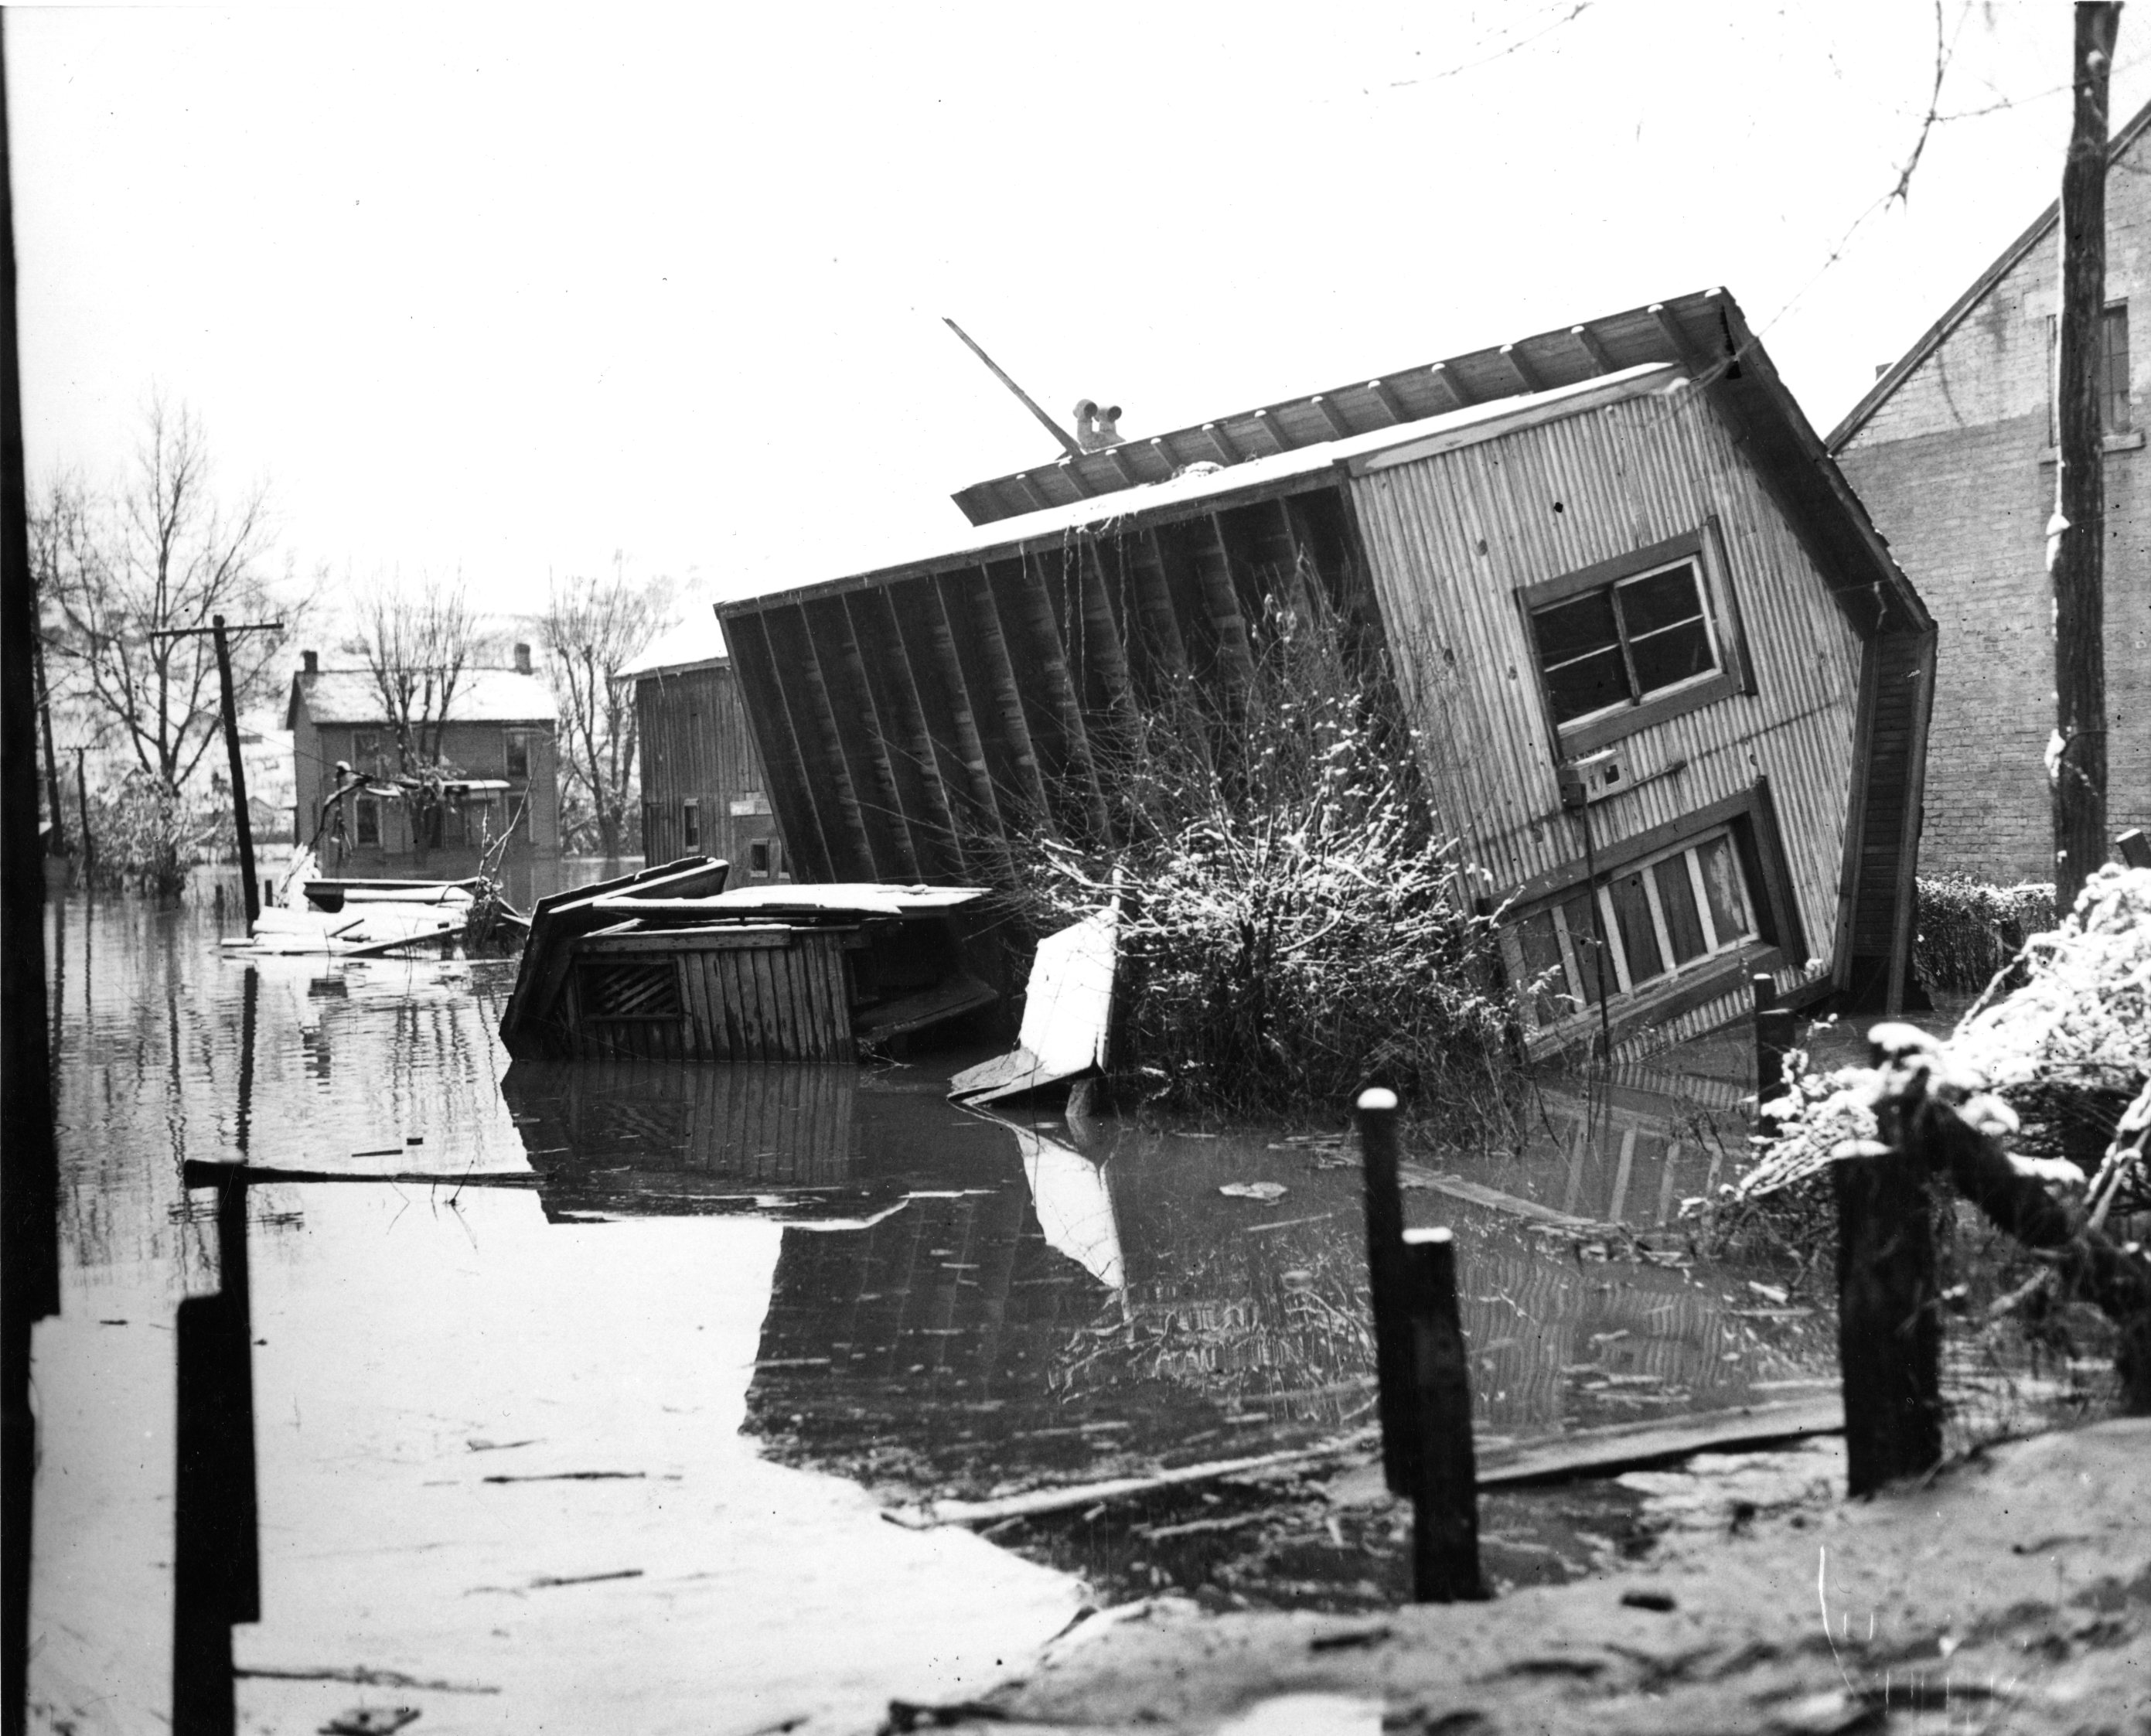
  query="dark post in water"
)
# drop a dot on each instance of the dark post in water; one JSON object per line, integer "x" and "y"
{"x": 1423, "y": 1386}
{"x": 1445, "y": 1496}
{"x": 215, "y": 1561}
{"x": 1386, "y": 1246}
{"x": 1888, "y": 1332}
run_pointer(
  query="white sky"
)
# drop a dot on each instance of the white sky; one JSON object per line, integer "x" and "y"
{"x": 505, "y": 292}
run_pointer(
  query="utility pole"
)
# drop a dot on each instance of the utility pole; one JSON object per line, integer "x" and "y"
{"x": 58, "y": 846}
{"x": 82, "y": 809}
{"x": 242, "y": 824}
{"x": 2076, "y": 756}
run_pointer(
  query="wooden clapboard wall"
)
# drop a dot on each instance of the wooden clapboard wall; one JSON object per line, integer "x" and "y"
{"x": 917, "y": 721}
{"x": 757, "y": 994}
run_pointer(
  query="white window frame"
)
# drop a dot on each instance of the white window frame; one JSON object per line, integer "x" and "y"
{"x": 1716, "y": 947}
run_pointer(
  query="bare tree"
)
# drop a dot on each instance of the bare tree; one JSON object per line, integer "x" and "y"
{"x": 162, "y": 551}
{"x": 417, "y": 643}
{"x": 591, "y": 627}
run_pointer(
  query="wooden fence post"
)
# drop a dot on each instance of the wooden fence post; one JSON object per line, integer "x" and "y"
{"x": 1385, "y": 1254}
{"x": 1889, "y": 1328}
{"x": 215, "y": 1564}
{"x": 1774, "y": 1028}
{"x": 1446, "y": 1489}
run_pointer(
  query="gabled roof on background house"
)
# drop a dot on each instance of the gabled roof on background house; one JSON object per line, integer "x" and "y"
{"x": 1281, "y": 449}
{"x": 698, "y": 642}
{"x": 1959, "y": 310}
{"x": 481, "y": 696}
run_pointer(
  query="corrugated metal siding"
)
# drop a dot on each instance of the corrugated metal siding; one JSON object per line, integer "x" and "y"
{"x": 696, "y": 746}
{"x": 1451, "y": 538}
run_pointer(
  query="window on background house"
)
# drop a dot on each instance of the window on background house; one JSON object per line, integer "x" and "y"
{"x": 1639, "y": 926}
{"x": 519, "y": 754}
{"x": 758, "y": 859}
{"x": 368, "y": 823}
{"x": 365, "y": 750}
{"x": 1617, "y": 644}
{"x": 2114, "y": 417}
{"x": 691, "y": 825}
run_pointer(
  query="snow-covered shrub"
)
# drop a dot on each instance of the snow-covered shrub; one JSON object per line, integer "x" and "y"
{"x": 1292, "y": 926}
{"x": 1966, "y": 931}
{"x": 2079, "y": 1028}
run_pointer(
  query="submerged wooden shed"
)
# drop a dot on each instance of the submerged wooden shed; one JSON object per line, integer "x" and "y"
{"x": 1615, "y": 556}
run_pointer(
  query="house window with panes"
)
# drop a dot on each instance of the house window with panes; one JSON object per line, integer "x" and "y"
{"x": 1659, "y": 920}
{"x": 1619, "y": 644}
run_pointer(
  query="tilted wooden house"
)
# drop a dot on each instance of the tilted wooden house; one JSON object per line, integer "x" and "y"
{"x": 1617, "y": 548}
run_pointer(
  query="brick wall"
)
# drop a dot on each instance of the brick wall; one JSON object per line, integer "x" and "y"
{"x": 1956, "y": 469}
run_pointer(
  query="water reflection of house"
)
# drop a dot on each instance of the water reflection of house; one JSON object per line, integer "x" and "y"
{"x": 703, "y": 791}
{"x": 1628, "y": 1154}
{"x": 499, "y": 738}
{"x": 633, "y": 1138}
{"x": 1617, "y": 546}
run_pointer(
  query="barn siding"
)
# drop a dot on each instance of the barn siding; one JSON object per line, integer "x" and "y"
{"x": 696, "y": 746}
{"x": 1452, "y": 537}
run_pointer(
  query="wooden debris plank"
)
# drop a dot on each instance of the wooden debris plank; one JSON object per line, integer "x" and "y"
{"x": 1628, "y": 1445}
{"x": 1478, "y": 1194}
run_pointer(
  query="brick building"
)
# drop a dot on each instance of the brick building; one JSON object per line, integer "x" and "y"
{"x": 500, "y": 738}
{"x": 1952, "y": 452}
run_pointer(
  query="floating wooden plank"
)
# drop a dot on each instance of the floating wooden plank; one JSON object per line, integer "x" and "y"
{"x": 1067, "y": 1014}
{"x": 1478, "y": 1194}
{"x": 1038, "y": 1502}
{"x": 1629, "y": 1446}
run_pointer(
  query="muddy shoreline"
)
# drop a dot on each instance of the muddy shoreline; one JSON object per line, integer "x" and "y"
{"x": 2012, "y": 1591}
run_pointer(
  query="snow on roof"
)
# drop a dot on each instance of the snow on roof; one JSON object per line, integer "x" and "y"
{"x": 481, "y": 696}
{"x": 695, "y": 643}
{"x": 1377, "y": 449}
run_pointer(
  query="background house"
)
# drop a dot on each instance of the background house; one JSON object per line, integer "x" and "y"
{"x": 1619, "y": 545}
{"x": 499, "y": 737}
{"x": 703, "y": 790}
{"x": 1953, "y": 453}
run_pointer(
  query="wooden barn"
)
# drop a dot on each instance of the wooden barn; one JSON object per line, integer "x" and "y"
{"x": 703, "y": 792}
{"x": 1668, "y": 688}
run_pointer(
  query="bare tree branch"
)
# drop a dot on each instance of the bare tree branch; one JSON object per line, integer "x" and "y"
{"x": 591, "y": 627}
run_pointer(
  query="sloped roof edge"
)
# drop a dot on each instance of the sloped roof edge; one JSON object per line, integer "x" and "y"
{"x": 1959, "y": 310}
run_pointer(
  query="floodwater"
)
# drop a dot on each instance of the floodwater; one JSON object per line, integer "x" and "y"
{"x": 589, "y": 1419}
